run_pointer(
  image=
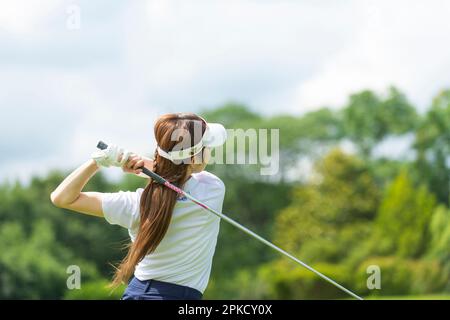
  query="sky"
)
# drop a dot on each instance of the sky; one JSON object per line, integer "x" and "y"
{"x": 74, "y": 72}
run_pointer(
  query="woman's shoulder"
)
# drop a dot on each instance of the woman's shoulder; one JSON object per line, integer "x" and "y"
{"x": 205, "y": 177}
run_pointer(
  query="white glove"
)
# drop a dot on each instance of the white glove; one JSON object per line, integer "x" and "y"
{"x": 111, "y": 156}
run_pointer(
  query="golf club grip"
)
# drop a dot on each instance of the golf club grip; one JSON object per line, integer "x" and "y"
{"x": 102, "y": 146}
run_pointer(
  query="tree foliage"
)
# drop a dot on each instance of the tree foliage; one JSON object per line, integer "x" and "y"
{"x": 368, "y": 118}
{"x": 433, "y": 147}
{"x": 349, "y": 211}
{"x": 332, "y": 213}
{"x": 401, "y": 227}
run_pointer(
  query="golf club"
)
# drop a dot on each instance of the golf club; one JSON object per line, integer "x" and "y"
{"x": 101, "y": 145}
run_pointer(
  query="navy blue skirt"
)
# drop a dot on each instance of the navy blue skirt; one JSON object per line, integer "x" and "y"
{"x": 159, "y": 290}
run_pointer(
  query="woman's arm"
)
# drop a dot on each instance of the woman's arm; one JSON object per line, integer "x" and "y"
{"x": 68, "y": 194}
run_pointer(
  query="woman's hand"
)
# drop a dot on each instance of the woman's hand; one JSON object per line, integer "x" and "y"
{"x": 135, "y": 164}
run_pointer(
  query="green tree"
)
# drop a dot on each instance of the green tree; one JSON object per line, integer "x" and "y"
{"x": 440, "y": 237}
{"x": 231, "y": 115}
{"x": 368, "y": 119}
{"x": 34, "y": 266}
{"x": 304, "y": 136}
{"x": 254, "y": 204}
{"x": 400, "y": 276}
{"x": 401, "y": 226}
{"x": 433, "y": 147}
{"x": 330, "y": 215}
{"x": 40, "y": 241}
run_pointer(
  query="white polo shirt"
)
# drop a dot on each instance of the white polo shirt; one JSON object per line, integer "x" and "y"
{"x": 185, "y": 254}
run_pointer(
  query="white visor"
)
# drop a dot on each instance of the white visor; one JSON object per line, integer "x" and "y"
{"x": 214, "y": 136}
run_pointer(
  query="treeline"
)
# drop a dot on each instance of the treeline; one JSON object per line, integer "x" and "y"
{"x": 353, "y": 209}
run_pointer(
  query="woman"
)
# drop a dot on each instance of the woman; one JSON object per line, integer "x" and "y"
{"x": 172, "y": 239}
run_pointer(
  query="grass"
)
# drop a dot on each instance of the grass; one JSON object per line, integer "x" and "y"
{"x": 419, "y": 297}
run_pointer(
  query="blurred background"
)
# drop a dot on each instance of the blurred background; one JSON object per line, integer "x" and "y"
{"x": 358, "y": 89}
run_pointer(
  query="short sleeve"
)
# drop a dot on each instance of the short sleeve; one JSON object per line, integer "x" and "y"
{"x": 122, "y": 208}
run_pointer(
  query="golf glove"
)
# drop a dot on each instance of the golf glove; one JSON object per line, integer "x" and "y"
{"x": 111, "y": 156}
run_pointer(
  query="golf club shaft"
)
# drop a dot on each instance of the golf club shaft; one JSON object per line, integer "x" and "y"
{"x": 256, "y": 236}
{"x": 159, "y": 179}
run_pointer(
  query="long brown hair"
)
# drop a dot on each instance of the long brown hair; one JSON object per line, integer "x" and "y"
{"x": 157, "y": 202}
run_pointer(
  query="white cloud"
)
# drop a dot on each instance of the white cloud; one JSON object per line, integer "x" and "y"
{"x": 401, "y": 43}
{"x": 243, "y": 50}
{"x": 398, "y": 148}
{"x": 24, "y": 16}
{"x": 131, "y": 61}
